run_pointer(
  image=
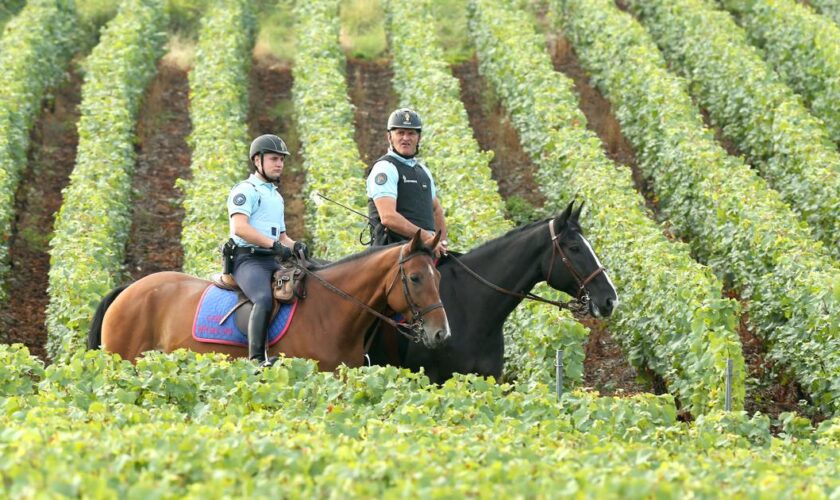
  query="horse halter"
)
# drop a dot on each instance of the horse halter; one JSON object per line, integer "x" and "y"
{"x": 583, "y": 293}
{"x": 414, "y": 329}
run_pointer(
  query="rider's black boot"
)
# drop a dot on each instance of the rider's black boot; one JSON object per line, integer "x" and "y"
{"x": 257, "y": 326}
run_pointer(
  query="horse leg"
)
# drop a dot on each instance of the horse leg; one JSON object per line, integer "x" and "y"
{"x": 95, "y": 330}
{"x": 150, "y": 313}
{"x": 490, "y": 357}
{"x": 125, "y": 328}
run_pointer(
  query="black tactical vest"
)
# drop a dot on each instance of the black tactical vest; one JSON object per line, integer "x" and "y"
{"x": 414, "y": 202}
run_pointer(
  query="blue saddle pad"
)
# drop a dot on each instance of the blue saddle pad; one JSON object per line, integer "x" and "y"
{"x": 215, "y": 303}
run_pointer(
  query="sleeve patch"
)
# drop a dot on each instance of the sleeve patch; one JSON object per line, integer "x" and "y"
{"x": 239, "y": 199}
{"x": 381, "y": 178}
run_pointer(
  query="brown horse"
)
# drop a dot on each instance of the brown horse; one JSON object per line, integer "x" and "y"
{"x": 157, "y": 311}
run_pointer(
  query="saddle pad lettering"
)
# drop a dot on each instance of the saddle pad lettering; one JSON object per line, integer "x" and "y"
{"x": 215, "y": 303}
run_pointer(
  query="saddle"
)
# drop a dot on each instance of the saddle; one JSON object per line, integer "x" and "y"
{"x": 287, "y": 285}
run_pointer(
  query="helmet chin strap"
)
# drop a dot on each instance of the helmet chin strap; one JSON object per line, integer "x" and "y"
{"x": 261, "y": 170}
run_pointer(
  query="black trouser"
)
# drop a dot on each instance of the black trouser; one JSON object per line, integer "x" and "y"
{"x": 381, "y": 237}
{"x": 253, "y": 275}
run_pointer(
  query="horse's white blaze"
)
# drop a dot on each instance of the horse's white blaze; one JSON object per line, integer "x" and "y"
{"x": 448, "y": 332}
{"x": 598, "y": 262}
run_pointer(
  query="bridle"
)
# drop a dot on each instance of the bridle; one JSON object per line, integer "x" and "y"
{"x": 583, "y": 293}
{"x": 413, "y": 330}
{"x": 580, "y": 303}
{"x": 417, "y": 313}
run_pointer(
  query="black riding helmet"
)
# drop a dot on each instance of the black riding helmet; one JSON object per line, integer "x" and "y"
{"x": 405, "y": 118}
{"x": 268, "y": 143}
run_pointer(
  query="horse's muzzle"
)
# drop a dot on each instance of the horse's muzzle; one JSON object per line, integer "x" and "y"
{"x": 434, "y": 337}
{"x": 603, "y": 310}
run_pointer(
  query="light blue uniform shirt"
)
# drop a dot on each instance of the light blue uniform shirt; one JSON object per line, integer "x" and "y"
{"x": 263, "y": 205}
{"x": 389, "y": 187}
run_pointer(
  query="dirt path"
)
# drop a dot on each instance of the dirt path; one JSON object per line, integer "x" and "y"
{"x": 369, "y": 84}
{"x": 511, "y": 167}
{"x": 154, "y": 243}
{"x": 51, "y": 158}
{"x": 599, "y": 116}
{"x": 770, "y": 390}
{"x": 271, "y": 112}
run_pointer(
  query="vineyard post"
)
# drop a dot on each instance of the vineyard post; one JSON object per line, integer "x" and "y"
{"x": 728, "y": 404}
{"x": 558, "y": 365}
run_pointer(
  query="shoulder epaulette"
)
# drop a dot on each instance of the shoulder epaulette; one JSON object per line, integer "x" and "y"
{"x": 246, "y": 181}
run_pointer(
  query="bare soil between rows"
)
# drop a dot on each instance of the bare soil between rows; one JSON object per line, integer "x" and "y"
{"x": 163, "y": 156}
{"x": 271, "y": 112}
{"x": 51, "y": 157}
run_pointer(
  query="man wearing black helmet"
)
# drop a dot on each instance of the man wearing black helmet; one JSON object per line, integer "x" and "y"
{"x": 401, "y": 192}
{"x": 258, "y": 228}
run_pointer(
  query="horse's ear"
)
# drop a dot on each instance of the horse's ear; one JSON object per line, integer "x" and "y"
{"x": 576, "y": 213}
{"x": 564, "y": 217}
{"x": 435, "y": 241}
{"x": 416, "y": 242}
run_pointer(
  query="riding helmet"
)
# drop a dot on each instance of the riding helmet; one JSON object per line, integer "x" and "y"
{"x": 268, "y": 143}
{"x": 405, "y": 118}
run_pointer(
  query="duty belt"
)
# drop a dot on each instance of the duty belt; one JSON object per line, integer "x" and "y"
{"x": 254, "y": 251}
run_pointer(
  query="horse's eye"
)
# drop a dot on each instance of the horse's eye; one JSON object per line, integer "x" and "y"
{"x": 414, "y": 278}
{"x": 575, "y": 248}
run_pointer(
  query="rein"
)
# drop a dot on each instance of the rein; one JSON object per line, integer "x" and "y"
{"x": 412, "y": 330}
{"x": 576, "y": 305}
{"x": 528, "y": 296}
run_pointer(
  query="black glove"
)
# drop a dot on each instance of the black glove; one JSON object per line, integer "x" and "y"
{"x": 301, "y": 248}
{"x": 281, "y": 250}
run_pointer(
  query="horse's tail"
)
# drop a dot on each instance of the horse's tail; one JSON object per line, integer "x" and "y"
{"x": 95, "y": 332}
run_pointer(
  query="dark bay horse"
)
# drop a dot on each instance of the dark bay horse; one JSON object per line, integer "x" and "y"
{"x": 157, "y": 311}
{"x": 553, "y": 250}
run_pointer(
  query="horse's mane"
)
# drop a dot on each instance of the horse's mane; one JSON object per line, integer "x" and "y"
{"x": 487, "y": 245}
{"x": 364, "y": 253}
{"x": 491, "y": 244}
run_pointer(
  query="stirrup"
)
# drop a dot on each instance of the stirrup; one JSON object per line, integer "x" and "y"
{"x": 265, "y": 364}
{"x": 268, "y": 363}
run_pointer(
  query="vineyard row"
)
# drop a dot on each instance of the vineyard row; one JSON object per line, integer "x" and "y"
{"x": 735, "y": 223}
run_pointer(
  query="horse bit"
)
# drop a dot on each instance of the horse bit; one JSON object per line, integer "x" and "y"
{"x": 581, "y": 302}
{"x": 413, "y": 329}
